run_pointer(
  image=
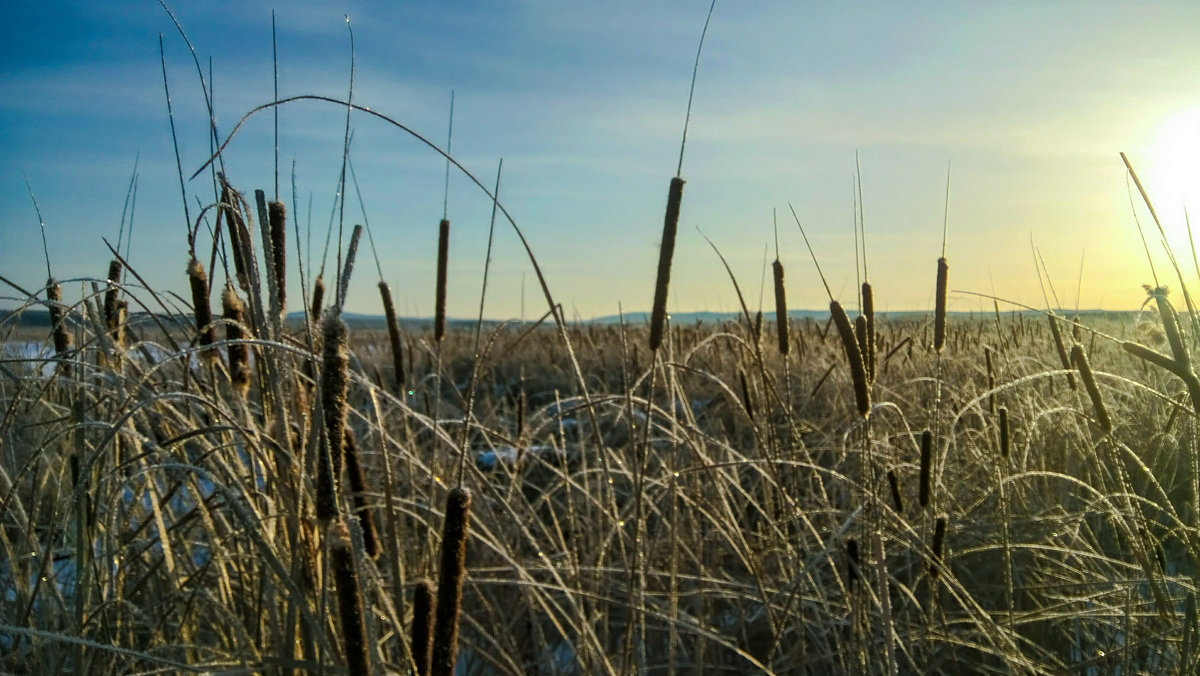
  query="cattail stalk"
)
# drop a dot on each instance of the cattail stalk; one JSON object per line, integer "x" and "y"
{"x": 858, "y": 374}
{"x": 781, "y": 315}
{"x": 239, "y": 354}
{"x": 358, "y": 488}
{"x": 924, "y": 492}
{"x": 58, "y": 323}
{"x": 450, "y": 581}
{"x": 206, "y": 332}
{"x": 1079, "y": 357}
{"x": 658, "y": 314}
{"x": 393, "y": 326}
{"x": 277, "y": 214}
{"x": 334, "y": 388}
{"x": 350, "y": 601}
{"x": 422, "y": 627}
{"x": 939, "y": 313}
{"x": 443, "y": 259}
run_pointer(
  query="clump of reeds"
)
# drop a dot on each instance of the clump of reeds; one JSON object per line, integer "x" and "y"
{"x": 443, "y": 259}
{"x": 450, "y": 581}
{"x": 858, "y": 373}
{"x": 422, "y": 627}
{"x": 1079, "y": 358}
{"x": 202, "y": 310}
{"x": 393, "y": 326}
{"x": 335, "y": 385}
{"x": 58, "y": 324}
{"x": 350, "y": 601}
{"x": 939, "y": 312}
{"x": 234, "y": 312}
{"x": 658, "y": 314}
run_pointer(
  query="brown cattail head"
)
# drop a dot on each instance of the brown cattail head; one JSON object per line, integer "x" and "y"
{"x": 239, "y": 354}
{"x": 781, "y": 315}
{"x": 939, "y": 313}
{"x": 924, "y": 491}
{"x": 277, "y": 214}
{"x": 1061, "y": 347}
{"x": 658, "y": 314}
{"x": 1005, "y": 439}
{"x": 358, "y": 488}
{"x": 206, "y": 332}
{"x": 239, "y": 234}
{"x": 746, "y": 401}
{"x": 443, "y": 259}
{"x": 858, "y": 373}
{"x": 122, "y": 323}
{"x": 868, "y": 311}
{"x": 991, "y": 378}
{"x": 1079, "y": 358}
{"x": 111, "y": 320}
{"x": 335, "y": 386}
{"x": 860, "y": 336}
{"x": 350, "y": 602}
{"x": 450, "y": 580}
{"x": 422, "y": 627}
{"x": 939, "y": 542}
{"x": 1171, "y": 327}
{"x": 894, "y": 485}
{"x": 318, "y": 297}
{"x": 58, "y": 323}
{"x": 393, "y": 326}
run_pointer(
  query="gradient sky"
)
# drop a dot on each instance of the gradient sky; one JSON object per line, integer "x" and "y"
{"x": 1031, "y": 101}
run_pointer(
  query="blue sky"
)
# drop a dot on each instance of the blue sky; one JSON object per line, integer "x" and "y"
{"x": 584, "y": 102}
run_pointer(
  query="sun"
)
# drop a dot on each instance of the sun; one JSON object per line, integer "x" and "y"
{"x": 1172, "y": 177}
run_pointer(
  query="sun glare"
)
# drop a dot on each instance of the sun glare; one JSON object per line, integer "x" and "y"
{"x": 1173, "y": 175}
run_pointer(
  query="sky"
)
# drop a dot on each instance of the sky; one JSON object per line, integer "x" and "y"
{"x": 1028, "y": 103}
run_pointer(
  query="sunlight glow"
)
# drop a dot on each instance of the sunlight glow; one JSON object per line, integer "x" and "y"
{"x": 1173, "y": 176}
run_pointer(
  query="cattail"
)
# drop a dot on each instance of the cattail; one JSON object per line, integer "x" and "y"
{"x": 393, "y": 326}
{"x": 450, "y": 581}
{"x": 658, "y": 315}
{"x": 926, "y": 467}
{"x": 868, "y": 311}
{"x": 58, "y": 323}
{"x": 860, "y": 337}
{"x": 318, "y": 297}
{"x": 198, "y": 280}
{"x": 939, "y": 541}
{"x": 1079, "y": 357}
{"x": 239, "y": 354}
{"x": 439, "y": 319}
{"x": 239, "y": 235}
{"x": 1171, "y": 327}
{"x": 358, "y": 487}
{"x": 422, "y": 627}
{"x": 111, "y": 320}
{"x": 746, "y": 394}
{"x": 757, "y": 328}
{"x": 894, "y": 484}
{"x": 1061, "y": 347}
{"x": 277, "y": 214}
{"x": 858, "y": 375}
{"x": 1005, "y": 439}
{"x": 991, "y": 379}
{"x": 781, "y": 316}
{"x": 939, "y": 312}
{"x": 852, "y": 562}
{"x": 122, "y": 322}
{"x": 335, "y": 384}
{"x": 350, "y": 602}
